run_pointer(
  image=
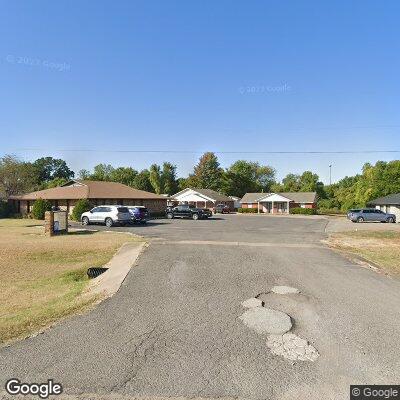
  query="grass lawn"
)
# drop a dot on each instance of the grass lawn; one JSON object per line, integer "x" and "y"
{"x": 379, "y": 247}
{"x": 41, "y": 278}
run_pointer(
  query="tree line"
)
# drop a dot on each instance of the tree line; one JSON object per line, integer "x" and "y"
{"x": 383, "y": 178}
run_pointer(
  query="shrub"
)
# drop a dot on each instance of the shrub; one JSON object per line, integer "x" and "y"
{"x": 248, "y": 210}
{"x": 5, "y": 209}
{"x": 81, "y": 206}
{"x": 304, "y": 211}
{"x": 39, "y": 208}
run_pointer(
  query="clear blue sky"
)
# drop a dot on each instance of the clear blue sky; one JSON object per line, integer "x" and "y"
{"x": 201, "y": 75}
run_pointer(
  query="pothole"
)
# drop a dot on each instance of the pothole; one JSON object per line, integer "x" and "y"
{"x": 292, "y": 347}
{"x": 253, "y": 302}
{"x": 266, "y": 320}
{"x": 284, "y": 290}
{"x": 277, "y": 324}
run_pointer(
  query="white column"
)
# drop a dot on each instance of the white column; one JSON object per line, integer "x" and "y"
{"x": 288, "y": 207}
{"x": 272, "y": 208}
{"x": 258, "y": 207}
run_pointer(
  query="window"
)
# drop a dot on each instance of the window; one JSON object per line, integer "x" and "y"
{"x": 96, "y": 210}
{"x": 122, "y": 209}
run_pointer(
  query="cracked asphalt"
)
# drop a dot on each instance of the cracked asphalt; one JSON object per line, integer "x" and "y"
{"x": 173, "y": 329}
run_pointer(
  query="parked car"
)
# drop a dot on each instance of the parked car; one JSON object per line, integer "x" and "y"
{"x": 140, "y": 214}
{"x": 351, "y": 211}
{"x": 207, "y": 213}
{"x": 185, "y": 211}
{"x": 221, "y": 209}
{"x": 108, "y": 215}
{"x": 371, "y": 215}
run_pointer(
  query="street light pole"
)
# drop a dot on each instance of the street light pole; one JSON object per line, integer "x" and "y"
{"x": 330, "y": 174}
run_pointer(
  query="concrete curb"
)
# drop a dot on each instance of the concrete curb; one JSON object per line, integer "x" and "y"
{"x": 108, "y": 283}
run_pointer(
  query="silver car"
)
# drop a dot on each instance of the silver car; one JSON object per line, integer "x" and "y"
{"x": 371, "y": 215}
{"x": 108, "y": 215}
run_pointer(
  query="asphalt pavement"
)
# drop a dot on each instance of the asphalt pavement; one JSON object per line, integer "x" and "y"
{"x": 174, "y": 327}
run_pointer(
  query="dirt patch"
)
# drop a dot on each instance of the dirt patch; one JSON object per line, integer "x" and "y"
{"x": 382, "y": 249}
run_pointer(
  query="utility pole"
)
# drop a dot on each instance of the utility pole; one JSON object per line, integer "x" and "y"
{"x": 330, "y": 174}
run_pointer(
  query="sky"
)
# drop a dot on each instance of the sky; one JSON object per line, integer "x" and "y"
{"x": 185, "y": 77}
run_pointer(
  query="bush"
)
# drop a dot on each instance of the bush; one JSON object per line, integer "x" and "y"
{"x": 5, "y": 209}
{"x": 248, "y": 210}
{"x": 304, "y": 211}
{"x": 81, "y": 206}
{"x": 39, "y": 208}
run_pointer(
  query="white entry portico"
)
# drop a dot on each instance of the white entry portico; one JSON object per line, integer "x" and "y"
{"x": 274, "y": 203}
{"x": 191, "y": 196}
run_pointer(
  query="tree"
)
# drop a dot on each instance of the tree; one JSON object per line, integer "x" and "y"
{"x": 16, "y": 176}
{"x": 102, "y": 172}
{"x": 246, "y": 176}
{"x": 142, "y": 181}
{"x": 207, "y": 173}
{"x": 40, "y": 207}
{"x": 81, "y": 206}
{"x": 49, "y": 168}
{"x": 125, "y": 175}
{"x": 83, "y": 174}
{"x": 309, "y": 182}
{"x": 53, "y": 183}
{"x": 169, "y": 178}
{"x": 156, "y": 179}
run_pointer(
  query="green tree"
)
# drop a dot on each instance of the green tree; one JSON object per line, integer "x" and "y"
{"x": 5, "y": 209}
{"x": 49, "y": 168}
{"x": 39, "y": 208}
{"x": 309, "y": 182}
{"x": 125, "y": 175}
{"x": 81, "y": 206}
{"x": 16, "y": 176}
{"x": 102, "y": 172}
{"x": 156, "y": 179}
{"x": 142, "y": 181}
{"x": 83, "y": 174}
{"x": 169, "y": 178}
{"x": 207, "y": 173}
{"x": 246, "y": 176}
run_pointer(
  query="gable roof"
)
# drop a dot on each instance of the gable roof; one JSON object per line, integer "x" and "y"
{"x": 212, "y": 194}
{"x": 297, "y": 197}
{"x": 391, "y": 199}
{"x": 75, "y": 190}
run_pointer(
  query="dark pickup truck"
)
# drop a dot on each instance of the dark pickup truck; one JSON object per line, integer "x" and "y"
{"x": 187, "y": 211}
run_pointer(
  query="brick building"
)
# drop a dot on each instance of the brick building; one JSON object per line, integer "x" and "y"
{"x": 97, "y": 192}
{"x": 279, "y": 203}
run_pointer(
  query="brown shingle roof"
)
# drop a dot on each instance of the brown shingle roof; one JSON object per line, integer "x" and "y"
{"x": 90, "y": 190}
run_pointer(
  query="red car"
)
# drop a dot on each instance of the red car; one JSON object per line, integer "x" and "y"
{"x": 221, "y": 209}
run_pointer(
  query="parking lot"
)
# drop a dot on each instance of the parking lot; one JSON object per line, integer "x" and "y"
{"x": 174, "y": 329}
{"x": 230, "y": 228}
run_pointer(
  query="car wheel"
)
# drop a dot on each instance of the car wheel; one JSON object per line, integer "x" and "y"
{"x": 85, "y": 221}
{"x": 109, "y": 222}
{"x": 195, "y": 217}
{"x": 390, "y": 220}
{"x": 170, "y": 215}
{"x": 360, "y": 219}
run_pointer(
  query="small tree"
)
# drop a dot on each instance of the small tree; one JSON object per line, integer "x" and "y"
{"x": 5, "y": 209}
{"x": 39, "y": 208}
{"x": 81, "y": 206}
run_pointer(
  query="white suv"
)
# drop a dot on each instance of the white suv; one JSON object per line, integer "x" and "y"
{"x": 108, "y": 215}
